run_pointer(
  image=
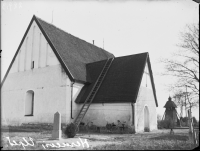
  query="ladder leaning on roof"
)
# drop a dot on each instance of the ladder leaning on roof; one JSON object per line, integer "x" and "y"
{"x": 93, "y": 92}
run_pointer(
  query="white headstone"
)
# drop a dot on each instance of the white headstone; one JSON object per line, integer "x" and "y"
{"x": 57, "y": 133}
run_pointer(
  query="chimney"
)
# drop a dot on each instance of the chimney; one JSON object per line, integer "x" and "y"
{"x": 93, "y": 42}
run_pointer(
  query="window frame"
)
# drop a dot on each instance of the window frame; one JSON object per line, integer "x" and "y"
{"x": 32, "y": 102}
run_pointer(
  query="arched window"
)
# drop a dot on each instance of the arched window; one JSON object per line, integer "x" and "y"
{"x": 29, "y": 103}
{"x": 146, "y": 119}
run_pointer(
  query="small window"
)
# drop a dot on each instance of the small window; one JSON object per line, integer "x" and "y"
{"x": 32, "y": 65}
{"x": 29, "y": 103}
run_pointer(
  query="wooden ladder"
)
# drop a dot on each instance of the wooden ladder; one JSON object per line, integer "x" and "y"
{"x": 93, "y": 92}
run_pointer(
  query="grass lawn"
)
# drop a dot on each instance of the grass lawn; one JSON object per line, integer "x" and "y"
{"x": 155, "y": 140}
{"x": 151, "y": 142}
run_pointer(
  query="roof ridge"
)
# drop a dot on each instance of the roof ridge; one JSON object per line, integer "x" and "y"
{"x": 132, "y": 55}
{"x": 117, "y": 57}
{"x": 72, "y": 35}
{"x": 96, "y": 62}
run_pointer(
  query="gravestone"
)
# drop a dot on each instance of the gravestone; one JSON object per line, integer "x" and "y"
{"x": 56, "y": 133}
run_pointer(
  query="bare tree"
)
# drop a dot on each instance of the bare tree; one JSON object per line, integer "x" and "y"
{"x": 185, "y": 99}
{"x": 180, "y": 100}
{"x": 184, "y": 64}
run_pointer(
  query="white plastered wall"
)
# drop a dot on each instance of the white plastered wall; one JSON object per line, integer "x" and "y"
{"x": 50, "y": 84}
{"x": 145, "y": 98}
{"x": 102, "y": 113}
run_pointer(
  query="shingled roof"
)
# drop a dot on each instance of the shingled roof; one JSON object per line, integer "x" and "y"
{"x": 122, "y": 81}
{"x": 74, "y": 52}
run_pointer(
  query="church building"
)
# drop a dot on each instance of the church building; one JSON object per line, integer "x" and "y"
{"x": 54, "y": 71}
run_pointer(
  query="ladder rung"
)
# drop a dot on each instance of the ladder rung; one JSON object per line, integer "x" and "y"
{"x": 90, "y": 98}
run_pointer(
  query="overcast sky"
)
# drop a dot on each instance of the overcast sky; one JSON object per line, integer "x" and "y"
{"x": 121, "y": 27}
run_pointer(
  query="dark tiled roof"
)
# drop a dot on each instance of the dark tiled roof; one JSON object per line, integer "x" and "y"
{"x": 121, "y": 83}
{"x": 74, "y": 52}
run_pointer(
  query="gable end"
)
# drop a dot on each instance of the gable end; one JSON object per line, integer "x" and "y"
{"x": 151, "y": 78}
{"x": 54, "y": 50}
{"x": 51, "y": 45}
{"x": 152, "y": 81}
